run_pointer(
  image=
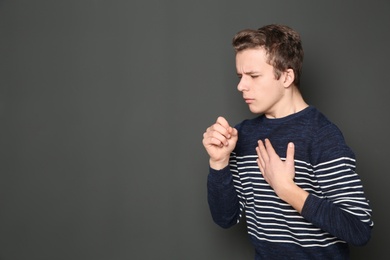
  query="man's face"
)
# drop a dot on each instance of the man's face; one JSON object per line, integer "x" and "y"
{"x": 260, "y": 89}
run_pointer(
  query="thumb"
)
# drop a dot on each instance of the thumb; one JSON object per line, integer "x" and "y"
{"x": 234, "y": 132}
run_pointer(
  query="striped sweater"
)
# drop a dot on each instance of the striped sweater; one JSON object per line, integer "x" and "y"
{"x": 335, "y": 214}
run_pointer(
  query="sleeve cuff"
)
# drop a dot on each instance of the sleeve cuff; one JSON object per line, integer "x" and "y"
{"x": 222, "y": 176}
{"x": 310, "y": 207}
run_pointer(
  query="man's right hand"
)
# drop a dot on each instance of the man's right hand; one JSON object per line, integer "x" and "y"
{"x": 219, "y": 141}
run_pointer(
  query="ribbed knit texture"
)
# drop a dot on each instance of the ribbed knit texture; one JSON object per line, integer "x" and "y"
{"x": 335, "y": 213}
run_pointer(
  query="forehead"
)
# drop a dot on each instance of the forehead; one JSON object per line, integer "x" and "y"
{"x": 250, "y": 59}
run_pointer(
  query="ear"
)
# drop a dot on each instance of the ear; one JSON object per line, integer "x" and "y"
{"x": 288, "y": 78}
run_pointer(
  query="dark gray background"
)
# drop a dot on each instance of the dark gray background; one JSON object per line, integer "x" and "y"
{"x": 103, "y": 105}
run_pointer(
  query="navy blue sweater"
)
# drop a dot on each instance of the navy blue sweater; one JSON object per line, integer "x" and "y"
{"x": 335, "y": 214}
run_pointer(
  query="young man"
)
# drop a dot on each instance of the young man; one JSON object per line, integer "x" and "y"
{"x": 289, "y": 169}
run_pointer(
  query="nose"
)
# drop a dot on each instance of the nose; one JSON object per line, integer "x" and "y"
{"x": 242, "y": 85}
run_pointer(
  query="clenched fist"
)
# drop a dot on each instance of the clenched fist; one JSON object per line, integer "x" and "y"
{"x": 219, "y": 141}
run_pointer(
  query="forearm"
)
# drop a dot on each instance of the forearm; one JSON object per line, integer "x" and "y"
{"x": 329, "y": 217}
{"x": 292, "y": 194}
{"x": 222, "y": 197}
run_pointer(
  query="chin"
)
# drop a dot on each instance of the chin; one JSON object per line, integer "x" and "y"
{"x": 256, "y": 111}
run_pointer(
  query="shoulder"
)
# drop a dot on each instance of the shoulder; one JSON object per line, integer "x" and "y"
{"x": 328, "y": 140}
{"x": 318, "y": 123}
{"x": 324, "y": 127}
{"x": 317, "y": 118}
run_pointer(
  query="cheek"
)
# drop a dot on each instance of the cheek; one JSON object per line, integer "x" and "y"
{"x": 268, "y": 91}
{"x": 262, "y": 87}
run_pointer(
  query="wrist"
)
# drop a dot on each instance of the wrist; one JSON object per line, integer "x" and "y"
{"x": 293, "y": 195}
{"x": 219, "y": 164}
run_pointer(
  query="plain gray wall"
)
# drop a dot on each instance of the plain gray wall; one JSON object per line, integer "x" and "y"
{"x": 103, "y": 105}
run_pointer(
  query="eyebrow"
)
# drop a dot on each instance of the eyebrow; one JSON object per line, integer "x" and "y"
{"x": 249, "y": 72}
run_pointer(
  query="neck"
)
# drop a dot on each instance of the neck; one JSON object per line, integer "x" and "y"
{"x": 291, "y": 103}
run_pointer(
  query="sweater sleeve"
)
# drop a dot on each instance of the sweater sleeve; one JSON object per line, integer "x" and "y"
{"x": 336, "y": 221}
{"x": 222, "y": 197}
{"x": 341, "y": 208}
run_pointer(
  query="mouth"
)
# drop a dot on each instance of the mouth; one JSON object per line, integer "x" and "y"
{"x": 249, "y": 100}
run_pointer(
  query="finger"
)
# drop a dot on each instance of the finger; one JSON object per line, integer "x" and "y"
{"x": 260, "y": 161}
{"x": 219, "y": 139}
{"x": 260, "y": 166}
{"x": 263, "y": 154}
{"x": 211, "y": 137}
{"x": 270, "y": 149}
{"x": 290, "y": 153}
{"x": 223, "y": 122}
{"x": 234, "y": 132}
{"x": 221, "y": 129}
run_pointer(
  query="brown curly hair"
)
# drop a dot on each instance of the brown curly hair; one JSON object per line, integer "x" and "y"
{"x": 282, "y": 44}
